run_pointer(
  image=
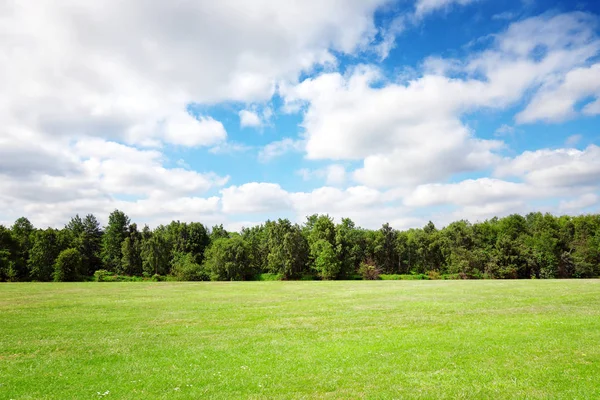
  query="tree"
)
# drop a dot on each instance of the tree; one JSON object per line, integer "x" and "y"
{"x": 349, "y": 247}
{"x": 320, "y": 235}
{"x": 156, "y": 251}
{"x": 8, "y": 254}
{"x": 227, "y": 260}
{"x": 185, "y": 268}
{"x": 22, "y": 230}
{"x": 288, "y": 249}
{"x": 67, "y": 267}
{"x": 114, "y": 234}
{"x": 90, "y": 245}
{"x": 386, "y": 254}
{"x": 42, "y": 256}
{"x": 131, "y": 249}
{"x": 326, "y": 263}
{"x": 86, "y": 236}
{"x": 218, "y": 232}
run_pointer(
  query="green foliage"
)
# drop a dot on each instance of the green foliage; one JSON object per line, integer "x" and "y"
{"x": 8, "y": 254}
{"x": 45, "y": 249}
{"x": 326, "y": 263}
{"x": 403, "y": 277}
{"x": 102, "y": 275}
{"x": 369, "y": 271}
{"x": 532, "y": 246}
{"x": 287, "y": 249}
{"x": 269, "y": 277}
{"x": 185, "y": 268}
{"x": 22, "y": 231}
{"x": 112, "y": 241}
{"x": 131, "y": 250}
{"x": 156, "y": 251}
{"x": 227, "y": 259}
{"x": 67, "y": 267}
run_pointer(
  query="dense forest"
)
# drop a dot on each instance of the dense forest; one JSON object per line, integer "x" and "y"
{"x": 532, "y": 246}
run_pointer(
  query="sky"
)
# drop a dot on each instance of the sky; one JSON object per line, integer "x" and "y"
{"x": 239, "y": 111}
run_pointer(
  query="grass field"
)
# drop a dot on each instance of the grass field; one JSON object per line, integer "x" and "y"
{"x": 345, "y": 340}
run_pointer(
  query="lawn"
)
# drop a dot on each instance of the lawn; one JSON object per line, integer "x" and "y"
{"x": 361, "y": 339}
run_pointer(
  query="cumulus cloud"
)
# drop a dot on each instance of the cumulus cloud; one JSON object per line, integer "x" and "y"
{"x": 102, "y": 175}
{"x": 254, "y": 197}
{"x": 469, "y": 192}
{"x": 94, "y": 94}
{"x": 556, "y": 101}
{"x": 249, "y": 118}
{"x": 580, "y": 203}
{"x": 412, "y": 133}
{"x": 566, "y": 168}
{"x": 127, "y": 67}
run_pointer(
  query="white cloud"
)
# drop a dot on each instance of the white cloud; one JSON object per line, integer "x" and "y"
{"x": 505, "y": 130}
{"x": 123, "y": 71}
{"x": 567, "y": 168}
{"x": 555, "y": 102}
{"x": 469, "y": 192}
{"x": 186, "y": 130}
{"x": 100, "y": 176}
{"x": 229, "y": 147}
{"x": 573, "y": 140}
{"x": 334, "y": 174}
{"x": 412, "y": 133}
{"x": 254, "y": 197}
{"x": 279, "y": 148}
{"x": 580, "y": 203}
{"x": 404, "y": 134}
{"x": 249, "y": 118}
{"x": 87, "y": 85}
{"x": 423, "y": 7}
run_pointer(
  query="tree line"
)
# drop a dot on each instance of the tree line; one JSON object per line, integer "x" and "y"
{"x": 532, "y": 246}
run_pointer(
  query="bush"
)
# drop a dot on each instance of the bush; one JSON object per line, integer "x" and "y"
{"x": 434, "y": 275}
{"x": 403, "y": 277}
{"x": 186, "y": 269}
{"x": 67, "y": 267}
{"x": 157, "y": 278}
{"x": 369, "y": 271}
{"x": 102, "y": 275}
{"x": 269, "y": 277}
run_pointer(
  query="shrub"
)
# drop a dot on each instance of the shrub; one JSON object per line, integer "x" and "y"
{"x": 269, "y": 277}
{"x": 369, "y": 271}
{"x": 186, "y": 269}
{"x": 102, "y": 275}
{"x": 434, "y": 275}
{"x": 67, "y": 267}
{"x": 157, "y": 278}
{"x": 404, "y": 277}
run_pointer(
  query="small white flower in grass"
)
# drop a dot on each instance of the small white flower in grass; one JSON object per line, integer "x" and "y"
{"x": 176, "y": 389}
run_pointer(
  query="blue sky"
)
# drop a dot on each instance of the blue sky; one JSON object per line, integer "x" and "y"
{"x": 236, "y": 112}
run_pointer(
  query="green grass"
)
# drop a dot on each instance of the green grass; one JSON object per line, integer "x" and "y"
{"x": 345, "y": 340}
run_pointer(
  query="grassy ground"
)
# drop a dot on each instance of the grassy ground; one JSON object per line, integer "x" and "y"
{"x": 380, "y": 340}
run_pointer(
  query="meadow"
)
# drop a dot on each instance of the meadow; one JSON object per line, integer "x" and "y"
{"x": 535, "y": 339}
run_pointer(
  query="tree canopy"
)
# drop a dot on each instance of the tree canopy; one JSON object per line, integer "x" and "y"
{"x": 532, "y": 246}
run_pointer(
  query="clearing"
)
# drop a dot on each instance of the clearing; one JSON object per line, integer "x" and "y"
{"x": 360, "y": 339}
